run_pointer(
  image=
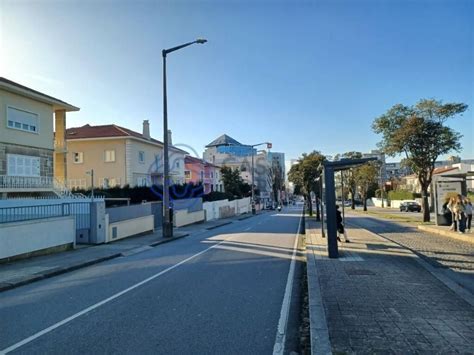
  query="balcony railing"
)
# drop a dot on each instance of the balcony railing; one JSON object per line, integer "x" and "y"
{"x": 31, "y": 183}
{"x": 26, "y": 182}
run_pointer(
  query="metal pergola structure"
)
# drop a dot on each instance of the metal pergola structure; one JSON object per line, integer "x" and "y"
{"x": 329, "y": 168}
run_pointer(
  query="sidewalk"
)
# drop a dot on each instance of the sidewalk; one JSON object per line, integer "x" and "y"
{"x": 379, "y": 298}
{"x": 22, "y": 272}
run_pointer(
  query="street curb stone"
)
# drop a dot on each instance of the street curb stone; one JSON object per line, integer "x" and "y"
{"x": 219, "y": 225}
{"x": 449, "y": 234}
{"x": 167, "y": 240}
{"x": 319, "y": 333}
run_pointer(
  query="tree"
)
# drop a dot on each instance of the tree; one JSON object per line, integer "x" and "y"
{"x": 233, "y": 183}
{"x": 365, "y": 177}
{"x": 348, "y": 175}
{"x": 304, "y": 174}
{"x": 419, "y": 133}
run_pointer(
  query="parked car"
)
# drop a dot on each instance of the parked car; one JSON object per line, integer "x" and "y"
{"x": 411, "y": 206}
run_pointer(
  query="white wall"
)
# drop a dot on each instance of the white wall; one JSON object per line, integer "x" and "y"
{"x": 183, "y": 217}
{"x": 129, "y": 227}
{"x": 219, "y": 209}
{"x": 28, "y": 236}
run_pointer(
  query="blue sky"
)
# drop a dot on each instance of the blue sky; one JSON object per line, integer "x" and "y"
{"x": 302, "y": 74}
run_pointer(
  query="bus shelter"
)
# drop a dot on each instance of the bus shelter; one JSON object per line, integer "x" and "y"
{"x": 329, "y": 193}
{"x": 444, "y": 187}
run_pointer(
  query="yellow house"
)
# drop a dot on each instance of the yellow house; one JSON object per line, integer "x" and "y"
{"x": 27, "y": 147}
{"x": 118, "y": 156}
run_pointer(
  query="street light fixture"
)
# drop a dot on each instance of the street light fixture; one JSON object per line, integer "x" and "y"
{"x": 167, "y": 224}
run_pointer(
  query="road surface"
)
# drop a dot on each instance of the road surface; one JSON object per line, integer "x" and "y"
{"x": 233, "y": 290}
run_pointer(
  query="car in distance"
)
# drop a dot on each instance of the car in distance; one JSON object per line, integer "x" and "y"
{"x": 410, "y": 206}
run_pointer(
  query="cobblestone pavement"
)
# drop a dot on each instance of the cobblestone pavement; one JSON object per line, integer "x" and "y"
{"x": 378, "y": 299}
{"x": 439, "y": 250}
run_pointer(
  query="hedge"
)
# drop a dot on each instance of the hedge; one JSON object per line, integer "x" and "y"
{"x": 401, "y": 195}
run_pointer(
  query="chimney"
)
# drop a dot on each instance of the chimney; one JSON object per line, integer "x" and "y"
{"x": 170, "y": 140}
{"x": 146, "y": 129}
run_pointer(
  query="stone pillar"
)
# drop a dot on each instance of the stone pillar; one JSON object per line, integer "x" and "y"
{"x": 60, "y": 151}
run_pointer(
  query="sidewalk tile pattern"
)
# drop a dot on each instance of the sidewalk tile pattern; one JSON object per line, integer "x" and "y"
{"x": 388, "y": 303}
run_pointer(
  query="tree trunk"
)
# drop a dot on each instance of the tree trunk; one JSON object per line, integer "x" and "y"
{"x": 310, "y": 205}
{"x": 365, "y": 202}
{"x": 424, "y": 204}
{"x": 353, "y": 203}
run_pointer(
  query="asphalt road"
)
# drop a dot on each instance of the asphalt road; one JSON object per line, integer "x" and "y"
{"x": 215, "y": 292}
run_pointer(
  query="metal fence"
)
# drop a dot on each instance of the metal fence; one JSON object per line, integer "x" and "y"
{"x": 25, "y": 213}
{"x": 80, "y": 210}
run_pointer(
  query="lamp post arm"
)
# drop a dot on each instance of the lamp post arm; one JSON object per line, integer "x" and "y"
{"x": 166, "y": 51}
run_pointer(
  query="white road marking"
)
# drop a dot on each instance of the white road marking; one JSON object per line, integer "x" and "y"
{"x": 101, "y": 303}
{"x": 279, "y": 346}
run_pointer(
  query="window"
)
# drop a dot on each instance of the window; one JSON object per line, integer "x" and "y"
{"x": 78, "y": 157}
{"x": 23, "y": 165}
{"x": 142, "y": 181}
{"x": 202, "y": 175}
{"x": 141, "y": 156}
{"x": 109, "y": 156}
{"x": 177, "y": 163}
{"x": 22, "y": 120}
{"x": 187, "y": 174}
{"x": 212, "y": 175}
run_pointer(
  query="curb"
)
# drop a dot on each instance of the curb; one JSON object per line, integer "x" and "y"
{"x": 53, "y": 272}
{"x": 246, "y": 217}
{"x": 219, "y": 225}
{"x": 319, "y": 333}
{"x": 449, "y": 234}
{"x": 167, "y": 240}
{"x": 4, "y": 286}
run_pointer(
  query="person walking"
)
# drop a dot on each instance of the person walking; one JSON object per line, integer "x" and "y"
{"x": 340, "y": 226}
{"x": 468, "y": 209}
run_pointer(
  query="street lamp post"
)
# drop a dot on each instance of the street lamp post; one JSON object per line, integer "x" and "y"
{"x": 167, "y": 224}
{"x": 269, "y": 145}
